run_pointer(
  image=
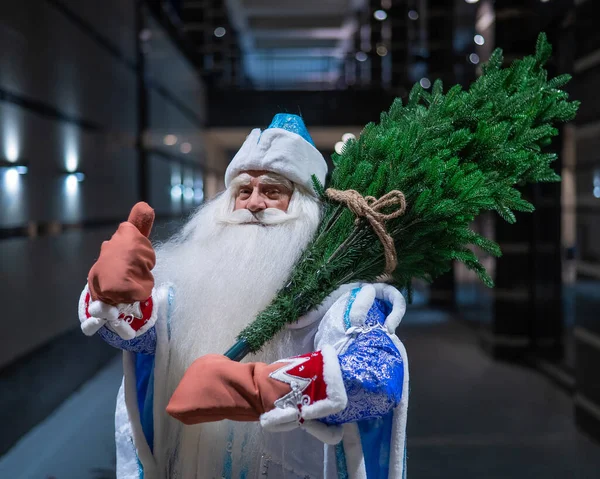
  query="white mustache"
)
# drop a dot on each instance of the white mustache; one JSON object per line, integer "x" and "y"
{"x": 270, "y": 216}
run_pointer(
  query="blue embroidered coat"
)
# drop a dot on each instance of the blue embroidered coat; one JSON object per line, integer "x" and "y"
{"x": 364, "y": 440}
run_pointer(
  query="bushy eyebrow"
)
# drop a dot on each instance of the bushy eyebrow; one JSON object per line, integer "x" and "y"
{"x": 269, "y": 180}
{"x": 244, "y": 180}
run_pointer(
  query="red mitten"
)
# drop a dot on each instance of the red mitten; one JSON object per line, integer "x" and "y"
{"x": 214, "y": 388}
{"x": 283, "y": 395}
{"x": 122, "y": 273}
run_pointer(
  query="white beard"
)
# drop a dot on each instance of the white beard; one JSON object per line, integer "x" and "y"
{"x": 224, "y": 271}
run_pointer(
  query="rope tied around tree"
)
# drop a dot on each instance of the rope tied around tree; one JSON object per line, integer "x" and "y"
{"x": 369, "y": 207}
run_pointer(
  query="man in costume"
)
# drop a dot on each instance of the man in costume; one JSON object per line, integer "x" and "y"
{"x": 326, "y": 398}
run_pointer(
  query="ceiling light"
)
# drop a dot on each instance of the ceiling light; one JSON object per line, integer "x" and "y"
{"x": 474, "y": 58}
{"x": 176, "y": 192}
{"x": 11, "y": 148}
{"x": 170, "y": 140}
{"x": 220, "y": 32}
{"x": 361, "y": 56}
{"x": 380, "y": 15}
{"x": 348, "y": 136}
{"x": 471, "y": 1}
{"x": 188, "y": 193}
{"x": 11, "y": 179}
{"x": 339, "y": 147}
{"x": 424, "y": 82}
{"x": 71, "y": 184}
{"x": 185, "y": 148}
{"x": 382, "y": 50}
{"x": 413, "y": 15}
{"x": 71, "y": 160}
{"x": 479, "y": 39}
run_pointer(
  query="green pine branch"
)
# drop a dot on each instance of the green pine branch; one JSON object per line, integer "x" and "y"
{"x": 454, "y": 155}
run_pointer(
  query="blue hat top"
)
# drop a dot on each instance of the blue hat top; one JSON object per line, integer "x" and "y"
{"x": 292, "y": 123}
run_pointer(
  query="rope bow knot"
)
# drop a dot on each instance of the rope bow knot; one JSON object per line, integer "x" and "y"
{"x": 370, "y": 208}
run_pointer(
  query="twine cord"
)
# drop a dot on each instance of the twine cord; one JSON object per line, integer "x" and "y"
{"x": 369, "y": 207}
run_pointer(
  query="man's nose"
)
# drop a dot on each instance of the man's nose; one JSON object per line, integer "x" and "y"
{"x": 255, "y": 203}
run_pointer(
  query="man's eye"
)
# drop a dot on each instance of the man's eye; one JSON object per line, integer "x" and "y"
{"x": 273, "y": 192}
{"x": 245, "y": 192}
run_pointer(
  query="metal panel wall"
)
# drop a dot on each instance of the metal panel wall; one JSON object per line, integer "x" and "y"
{"x": 69, "y": 102}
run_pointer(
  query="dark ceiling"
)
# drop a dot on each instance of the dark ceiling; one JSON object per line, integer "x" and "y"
{"x": 354, "y": 44}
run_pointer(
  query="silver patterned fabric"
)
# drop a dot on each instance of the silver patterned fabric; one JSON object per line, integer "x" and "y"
{"x": 372, "y": 371}
{"x": 145, "y": 343}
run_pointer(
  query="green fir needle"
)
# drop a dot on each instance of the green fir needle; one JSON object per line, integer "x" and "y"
{"x": 454, "y": 155}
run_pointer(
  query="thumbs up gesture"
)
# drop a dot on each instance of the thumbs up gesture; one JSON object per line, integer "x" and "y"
{"x": 123, "y": 272}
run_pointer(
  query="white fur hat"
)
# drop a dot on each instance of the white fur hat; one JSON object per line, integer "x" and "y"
{"x": 284, "y": 148}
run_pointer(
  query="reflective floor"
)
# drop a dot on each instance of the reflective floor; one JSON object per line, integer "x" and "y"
{"x": 77, "y": 440}
{"x": 469, "y": 418}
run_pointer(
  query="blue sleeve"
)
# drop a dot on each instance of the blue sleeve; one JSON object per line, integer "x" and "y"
{"x": 144, "y": 383}
{"x": 372, "y": 371}
{"x": 144, "y": 344}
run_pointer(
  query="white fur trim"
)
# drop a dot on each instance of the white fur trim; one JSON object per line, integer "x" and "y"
{"x": 318, "y": 313}
{"x": 362, "y": 304}
{"x": 397, "y": 463}
{"x": 81, "y": 305}
{"x": 279, "y": 420}
{"x": 139, "y": 439}
{"x": 355, "y": 459}
{"x": 89, "y": 326}
{"x": 324, "y": 433}
{"x": 164, "y": 294}
{"x": 332, "y": 328}
{"x": 392, "y": 295}
{"x": 337, "y": 399}
{"x": 282, "y": 152}
{"x": 99, "y": 309}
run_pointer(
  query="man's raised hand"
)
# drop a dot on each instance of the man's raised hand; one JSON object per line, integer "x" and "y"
{"x": 123, "y": 272}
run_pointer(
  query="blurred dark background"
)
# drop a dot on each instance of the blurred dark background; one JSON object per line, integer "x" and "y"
{"x": 103, "y": 104}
